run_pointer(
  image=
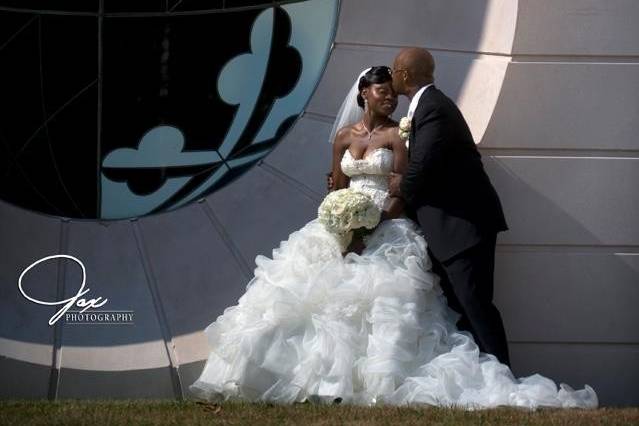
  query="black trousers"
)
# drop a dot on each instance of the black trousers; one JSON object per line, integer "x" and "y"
{"x": 467, "y": 282}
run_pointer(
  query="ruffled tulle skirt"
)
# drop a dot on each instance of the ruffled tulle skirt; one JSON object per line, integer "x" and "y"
{"x": 362, "y": 329}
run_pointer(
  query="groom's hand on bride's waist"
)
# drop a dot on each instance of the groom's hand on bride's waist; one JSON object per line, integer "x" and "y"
{"x": 330, "y": 184}
{"x": 394, "y": 182}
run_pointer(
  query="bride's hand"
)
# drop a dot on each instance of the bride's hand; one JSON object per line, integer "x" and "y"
{"x": 394, "y": 182}
{"x": 330, "y": 184}
{"x": 394, "y": 210}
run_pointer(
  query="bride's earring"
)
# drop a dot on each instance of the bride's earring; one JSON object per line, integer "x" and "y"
{"x": 365, "y": 104}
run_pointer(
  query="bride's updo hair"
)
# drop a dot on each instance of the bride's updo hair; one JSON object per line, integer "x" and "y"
{"x": 376, "y": 75}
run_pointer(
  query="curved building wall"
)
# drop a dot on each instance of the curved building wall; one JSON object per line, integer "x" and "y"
{"x": 562, "y": 148}
{"x": 551, "y": 92}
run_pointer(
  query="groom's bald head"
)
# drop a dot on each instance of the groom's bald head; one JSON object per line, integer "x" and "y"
{"x": 415, "y": 67}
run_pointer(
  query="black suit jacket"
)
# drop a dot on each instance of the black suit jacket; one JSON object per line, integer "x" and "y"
{"x": 445, "y": 184}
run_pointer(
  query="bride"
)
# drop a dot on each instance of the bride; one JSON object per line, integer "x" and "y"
{"x": 368, "y": 326}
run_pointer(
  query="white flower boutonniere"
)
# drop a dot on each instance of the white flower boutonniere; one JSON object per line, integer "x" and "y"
{"x": 404, "y": 129}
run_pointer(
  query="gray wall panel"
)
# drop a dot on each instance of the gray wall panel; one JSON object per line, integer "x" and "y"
{"x": 26, "y": 238}
{"x": 23, "y": 379}
{"x": 555, "y": 200}
{"x": 578, "y": 27}
{"x": 546, "y": 295}
{"x": 259, "y": 210}
{"x": 308, "y": 139}
{"x": 567, "y": 106}
{"x": 152, "y": 383}
{"x": 195, "y": 272}
{"x": 114, "y": 271}
{"x": 479, "y": 26}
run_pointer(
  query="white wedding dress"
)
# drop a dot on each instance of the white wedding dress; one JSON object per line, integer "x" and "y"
{"x": 361, "y": 329}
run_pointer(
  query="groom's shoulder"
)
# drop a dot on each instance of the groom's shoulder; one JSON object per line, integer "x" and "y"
{"x": 432, "y": 95}
{"x": 433, "y": 98}
{"x": 429, "y": 100}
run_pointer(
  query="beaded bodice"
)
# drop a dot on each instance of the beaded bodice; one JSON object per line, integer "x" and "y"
{"x": 370, "y": 174}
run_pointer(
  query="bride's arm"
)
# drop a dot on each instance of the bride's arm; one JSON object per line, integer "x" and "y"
{"x": 400, "y": 164}
{"x": 340, "y": 145}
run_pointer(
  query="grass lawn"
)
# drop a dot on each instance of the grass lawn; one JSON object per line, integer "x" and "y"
{"x": 169, "y": 412}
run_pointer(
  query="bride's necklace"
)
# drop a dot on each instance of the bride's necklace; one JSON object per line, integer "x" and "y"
{"x": 370, "y": 132}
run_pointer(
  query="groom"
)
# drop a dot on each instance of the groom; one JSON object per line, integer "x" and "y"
{"x": 448, "y": 192}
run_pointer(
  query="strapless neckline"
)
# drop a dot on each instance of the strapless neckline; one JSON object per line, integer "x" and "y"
{"x": 365, "y": 157}
{"x": 369, "y": 174}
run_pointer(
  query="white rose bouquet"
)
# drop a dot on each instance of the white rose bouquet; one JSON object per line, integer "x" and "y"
{"x": 404, "y": 129}
{"x": 347, "y": 210}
